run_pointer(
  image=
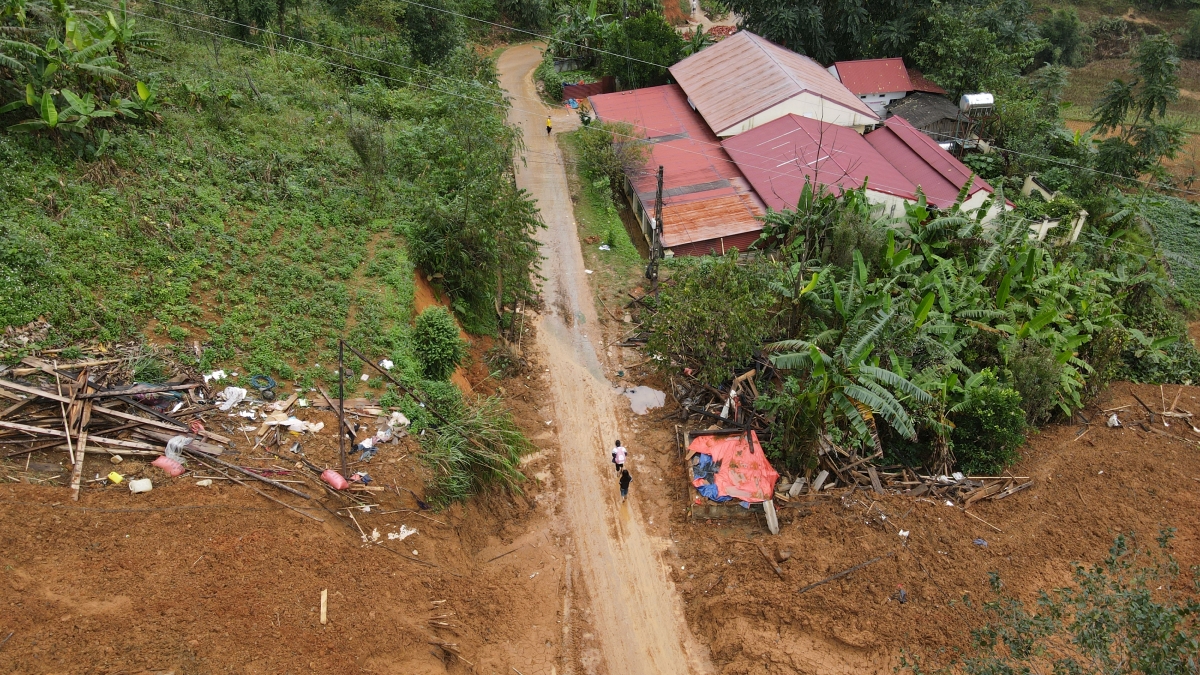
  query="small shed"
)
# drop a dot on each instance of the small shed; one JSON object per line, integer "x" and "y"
{"x": 932, "y": 114}
{"x": 746, "y": 81}
{"x": 729, "y": 473}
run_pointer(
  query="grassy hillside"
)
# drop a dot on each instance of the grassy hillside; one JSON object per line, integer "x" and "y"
{"x": 272, "y": 208}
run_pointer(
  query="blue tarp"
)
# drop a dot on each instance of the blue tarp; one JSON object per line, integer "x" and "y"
{"x": 710, "y": 491}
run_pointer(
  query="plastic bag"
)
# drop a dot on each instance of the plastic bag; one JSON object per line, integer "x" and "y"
{"x": 232, "y": 396}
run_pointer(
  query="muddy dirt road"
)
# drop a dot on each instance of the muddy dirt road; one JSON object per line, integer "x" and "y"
{"x": 635, "y": 608}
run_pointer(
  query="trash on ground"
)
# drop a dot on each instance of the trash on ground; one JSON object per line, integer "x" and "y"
{"x": 140, "y": 485}
{"x": 115, "y": 478}
{"x": 404, "y": 533}
{"x": 980, "y": 542}
{"x": 334, "y": 479}
{"x": 231, "y": 396}
{"x": 205, "y": 482}
{"x": 215, "y": 376}
{"x": 605, "y": 247}
{"x": 386, "y": 364}
{"x": 1113, "y": 421}
{"x": 168, "y": 465}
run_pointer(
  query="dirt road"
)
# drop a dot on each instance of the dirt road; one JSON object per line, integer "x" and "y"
{"x": 635, "y": 608}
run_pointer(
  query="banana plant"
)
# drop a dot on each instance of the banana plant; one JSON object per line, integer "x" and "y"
{"x": 121, "y": 30}
{"x": 75, "y": 117}
{"x": 843, "y": 386}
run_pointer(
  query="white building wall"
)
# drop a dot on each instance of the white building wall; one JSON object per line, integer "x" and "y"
{"x": 809, "y": 105}
{"x": 880, "y": 102}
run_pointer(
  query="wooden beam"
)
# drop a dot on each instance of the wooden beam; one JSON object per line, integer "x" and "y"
{"x": 142, "y": 389}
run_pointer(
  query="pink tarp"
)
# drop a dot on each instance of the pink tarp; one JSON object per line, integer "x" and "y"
{"x": 743, "y": 475}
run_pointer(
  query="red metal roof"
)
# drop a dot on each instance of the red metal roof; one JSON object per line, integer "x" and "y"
{"x": 922, "y": 83}
{"x": 705, "y": 195}
{"x": 744, "y": 75}
{"x": 874, "y": 76}
{"x": 939, "y": 174}
{"x": 779, "y": 156}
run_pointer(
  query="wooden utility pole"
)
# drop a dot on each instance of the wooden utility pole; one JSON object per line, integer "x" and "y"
{"x": 656, "y": 249}
{"x": 342, "y": 411}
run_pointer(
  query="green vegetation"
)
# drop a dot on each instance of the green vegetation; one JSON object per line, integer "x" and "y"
{"x": 482, "y": 447}
{"x": 437, "y": 343}
{"x": 989, "y": 428}
{"x": 1132, "y": 613}
{"x": 631, "y": 41}
{"x": 246, "y": 203}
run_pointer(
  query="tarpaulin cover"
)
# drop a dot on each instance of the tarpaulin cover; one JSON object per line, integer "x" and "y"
{"x": 742, "y": 474}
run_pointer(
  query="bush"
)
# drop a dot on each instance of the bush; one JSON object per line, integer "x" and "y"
{"x": 1190, "y": 48}
{"x": 712, "y": 316}
{"x": 482, "y": 446}
{"x": 552, "y": 82}
{"x": 438, "y": 344}
{"x": 606, "y": 151}
{"x": 639, "y": 50}
{"x": 1036, "y": 376}
{"x": 989, "y": 431}
{"x": 1069, "y": 41}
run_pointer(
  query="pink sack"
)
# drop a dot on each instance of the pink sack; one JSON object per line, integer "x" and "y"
{"x": 168, "y": 465}
{"x": 335, "y": 479}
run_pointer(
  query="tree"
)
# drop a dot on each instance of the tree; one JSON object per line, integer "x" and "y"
{"x": 1190, "y": 48}
{"x": 1134, "y": 113}
{"x": 1128, "y": 614}
{"x": 578, "y": 32}
{"x": 712, "y": 317}
{"x": 697, "y": 40}
{"x": 835, "y": 30}
{"x": 434, "y": 33}
{"x": 1069, "y": 41}
{"x": 969, "y": 49}
{"x": 638, "y": 51}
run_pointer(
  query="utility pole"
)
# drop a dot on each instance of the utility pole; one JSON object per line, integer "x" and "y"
{"x": 342, "y": 411}
{"x": 656, "y": 248}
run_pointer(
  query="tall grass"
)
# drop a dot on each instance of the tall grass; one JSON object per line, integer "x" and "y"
{"x": 482, "y": 447}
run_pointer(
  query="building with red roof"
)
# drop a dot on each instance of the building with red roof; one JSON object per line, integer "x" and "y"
{"x": 780, "y": 156}
{"x": 939, "y": 174}
{"x": 893, "y": 162}
{"x": 876, "y": 82}
{"x": 708, "y": 205}
{"x": 746, "y": 81}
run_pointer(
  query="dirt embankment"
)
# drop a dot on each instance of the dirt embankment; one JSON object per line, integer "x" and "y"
{"x": 1088, "y": 489}
{"x": 191, "y": 579}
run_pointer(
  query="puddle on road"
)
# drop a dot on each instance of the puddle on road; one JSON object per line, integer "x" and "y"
{"x": 643, "y": 399}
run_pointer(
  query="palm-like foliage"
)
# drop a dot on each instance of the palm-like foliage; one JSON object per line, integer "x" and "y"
{"x": 697, "y": 40}
{"x": 579, "y": 31}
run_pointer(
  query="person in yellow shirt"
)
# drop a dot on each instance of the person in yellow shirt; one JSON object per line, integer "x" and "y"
{"x": 549, "y": 125}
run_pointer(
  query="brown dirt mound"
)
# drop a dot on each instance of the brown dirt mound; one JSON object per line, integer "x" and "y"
{"x": 1088, "y": 489}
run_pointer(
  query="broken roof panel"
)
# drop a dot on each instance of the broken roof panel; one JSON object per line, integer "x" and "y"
{"x": 938, "y": 173}
{"x": 779, "y": 156}
{"x": 705, "y": 195}
{"x": 745, "y": 75}
{"x": 874, "y": 76}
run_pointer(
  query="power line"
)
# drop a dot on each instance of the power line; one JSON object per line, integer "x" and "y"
{"x": 556, "y": 159}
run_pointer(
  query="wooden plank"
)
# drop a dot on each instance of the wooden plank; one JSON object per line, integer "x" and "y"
{"x": 772, "y": 518}
{"x": 983, "y": 493}
{"x": 34, "y": 390}
{"x": 1012, "y": 491}
{"x": 62, "y": 434}
{"x": 142, "y": 389}
{"x": 77, "y": 472}
{"x": 206, "y": 448}
{"x": 875, "y": 485}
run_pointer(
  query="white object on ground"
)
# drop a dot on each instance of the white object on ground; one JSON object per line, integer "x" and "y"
{"x": 588, "y": 271}
{"x": 232, "y": 396}
{"x": 175, "y": 447}
{"x": 248, "y": 414}
{"x": 140, "y": 485}
{"x": 1113, "y": 422}
{"x": 365, "y": 377}
{"x": 605, "y": 247}
{"x": 904, "y": 533}
{"x": 215, "y": 376}
{"x": 404, "y": 533}
{"x": 398, "y": 420}
{"x": 204, "y": 483}
{"x": 386, "y": 364}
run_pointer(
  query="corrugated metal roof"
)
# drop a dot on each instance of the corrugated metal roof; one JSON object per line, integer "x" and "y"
{"x": 873, "y": 76}
{"x": 777, "y": 158}
{"x": 705, "y": 195}
{"x": 938, "y": 173}
{"x": 922, "y": 83}
{"x": 923, "y": 110}
{"x": 744, "y": 75}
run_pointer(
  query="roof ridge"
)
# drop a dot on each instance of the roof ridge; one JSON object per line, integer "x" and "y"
{"x": 758, "y": 41}
{"x": 883, "y": 58}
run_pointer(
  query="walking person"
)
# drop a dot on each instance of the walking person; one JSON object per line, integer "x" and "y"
{"x": 618, "y": 456}
{"x": 549, "y": 125}
{"x": 626, "y": 479}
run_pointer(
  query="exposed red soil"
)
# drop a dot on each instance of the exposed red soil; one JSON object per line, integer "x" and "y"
{"x": 190, "y": 579}
{"x": 1087, "y": 491}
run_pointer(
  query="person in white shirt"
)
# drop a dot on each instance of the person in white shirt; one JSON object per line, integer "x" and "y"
{"x": 618, "y": 456}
